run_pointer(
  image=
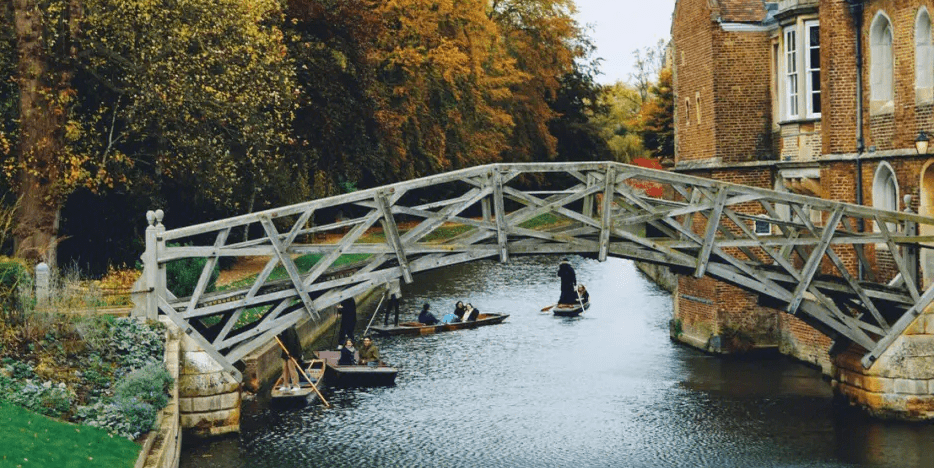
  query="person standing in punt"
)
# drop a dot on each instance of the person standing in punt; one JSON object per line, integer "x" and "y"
{"x": 348, "y": 319}
{"x": 290, "y": 340}
{"x": 566, "y": 274}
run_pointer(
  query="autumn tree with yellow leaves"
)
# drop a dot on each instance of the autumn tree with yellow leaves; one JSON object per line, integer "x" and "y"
{"x": 214, "y": 107}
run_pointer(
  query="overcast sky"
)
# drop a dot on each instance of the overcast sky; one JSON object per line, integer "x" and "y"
{"x": 618, "y": 27}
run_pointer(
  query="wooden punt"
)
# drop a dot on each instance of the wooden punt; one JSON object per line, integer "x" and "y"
{"x": 315, "y": 370}
{"x": 566, "y": 310}
{"x": 355, "y": 375}
{"x": 416, "y": 328}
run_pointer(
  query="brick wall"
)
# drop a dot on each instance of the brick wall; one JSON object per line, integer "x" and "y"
{"x": 742, "y": 96}
{"x": 694, "y": 63}
{"x": 890, "y": 130}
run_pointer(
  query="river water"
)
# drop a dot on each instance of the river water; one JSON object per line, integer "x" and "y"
{"x": 607, "y": 389}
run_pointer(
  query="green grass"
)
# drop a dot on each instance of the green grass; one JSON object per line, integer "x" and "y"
{"x": 543, "y": 220}
{"x": 30, "y": 439}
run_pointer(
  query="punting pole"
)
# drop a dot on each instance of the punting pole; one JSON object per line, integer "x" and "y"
{"x": 374, "y": 316}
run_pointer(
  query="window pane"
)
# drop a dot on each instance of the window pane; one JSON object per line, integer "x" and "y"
{"x": 816, "y": 103}
{"x": 814, "y": 58}
{"x": 814, "y": 36}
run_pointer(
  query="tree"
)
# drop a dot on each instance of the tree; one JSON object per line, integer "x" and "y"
{"x": 544, "y": 40}
{"x": 191, "y": 92}
{"x": 620, "y": 126}
{"x": 656, "y": 116}
{"x": 648, "y": 64}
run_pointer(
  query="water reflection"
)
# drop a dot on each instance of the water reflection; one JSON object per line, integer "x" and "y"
{"x": 607, "y": 389}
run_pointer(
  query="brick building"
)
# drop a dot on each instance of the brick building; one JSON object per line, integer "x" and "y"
{"x": 826, "y": 98}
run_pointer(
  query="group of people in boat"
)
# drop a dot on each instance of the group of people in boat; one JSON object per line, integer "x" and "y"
{"x": 569, "y": 293}
{"x": 462, "y": 313}
{"x": 368, "y": 354}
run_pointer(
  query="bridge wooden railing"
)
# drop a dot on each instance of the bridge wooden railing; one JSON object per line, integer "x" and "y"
{"x": 798, "y": 251}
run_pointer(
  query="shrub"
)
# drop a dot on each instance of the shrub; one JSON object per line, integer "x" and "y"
{"x": 149, "y": 384}
{"x": 182, "y": 275}
{"x": 134, "y": 344}
{"x": 15, "y": 282}
{"x": 122, "y": 417}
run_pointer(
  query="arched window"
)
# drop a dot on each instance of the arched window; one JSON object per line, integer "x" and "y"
{"x": 882, "y": 64}
{"x": 924, "y": 56}
{"x": 885, "y": 192}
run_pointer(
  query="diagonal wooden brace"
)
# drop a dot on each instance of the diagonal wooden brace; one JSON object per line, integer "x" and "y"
{"x": 393, "y": 235}
{"x": 815, "y": 259}
{"x": 710, "y": 229}
{"x": 289, "y": 265}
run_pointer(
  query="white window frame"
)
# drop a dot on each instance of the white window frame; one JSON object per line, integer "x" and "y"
{"x": 881, "y": 41}
{"x": 790, "y": 77}
{"x": 812, "y": 88}
{"x": 880, "y": 192}
{"x": 762, "y": 226}
{"x": 923, "y": 42}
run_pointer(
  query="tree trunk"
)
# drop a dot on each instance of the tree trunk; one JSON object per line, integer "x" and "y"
{"x": 40, "y": 144}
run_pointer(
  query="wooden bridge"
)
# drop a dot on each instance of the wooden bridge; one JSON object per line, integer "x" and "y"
{"x": 793, "y": 250}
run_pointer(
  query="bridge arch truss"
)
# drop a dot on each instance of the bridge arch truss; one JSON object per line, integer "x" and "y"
{"x": 799, "y": 253}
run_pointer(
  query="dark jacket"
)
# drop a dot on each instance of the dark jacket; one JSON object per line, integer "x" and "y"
{"x": 567, "y": 293}
{"x": 348, "y": 315}
{"x": 369, "y": 353}
{"x": 471, "y": 316}
{"x": 290, "y": 340}
{"x": 347, "y": 356}
{"x": 427, "y": 318}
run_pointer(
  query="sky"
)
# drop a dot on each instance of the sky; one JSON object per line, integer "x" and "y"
{"x": 618, "y": 27}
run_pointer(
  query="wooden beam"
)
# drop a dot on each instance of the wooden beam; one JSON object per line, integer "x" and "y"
{"x": 898, "y": 329}
{"x": 605, "y": 236}
{"x": 815, "y": 259}
{"x": 186, "y": 328}
{"x": 288, "y": 264}
{"x": 499, "y": 215}
{"x": 898, "y": 259}
{"x": 393, "y": 236}
{"x": 207, "y": 270}
{"x": 708, "y": 242}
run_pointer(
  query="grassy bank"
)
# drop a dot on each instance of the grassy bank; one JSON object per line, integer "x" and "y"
{"x": 29, "y": 439}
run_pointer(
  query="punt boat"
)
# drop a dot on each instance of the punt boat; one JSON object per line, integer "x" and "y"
{"x": 355, "y": 375}
{"x": 416, "y": 328}
{"x": 315, "y": 370}
{"x": 570, "y": 310}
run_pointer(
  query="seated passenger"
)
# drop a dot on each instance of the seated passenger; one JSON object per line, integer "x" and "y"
{"x": 426, "y": 317}
{"x": 459, "y": 311}
{"x": 347, "y": 354}
{"x": 583, "y": 293}
{"x": 470, "y": 314}
{"x": 370, "y": 356}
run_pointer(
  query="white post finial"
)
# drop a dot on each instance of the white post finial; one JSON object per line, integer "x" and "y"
{"x": 159, "y": 216}
{"x": 151, "y": 217}
{"x": 43, "y": 290}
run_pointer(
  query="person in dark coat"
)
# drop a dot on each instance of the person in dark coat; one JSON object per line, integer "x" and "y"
{"x": 426, "y": 317}
{"x": 470, "y": 314}
{"x": 290, "y": 340}
{"x": 566, "y": 276}
{"x": 347, "y": 354}
{"x": 348, "y": 319}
